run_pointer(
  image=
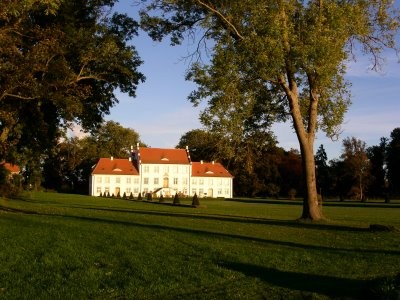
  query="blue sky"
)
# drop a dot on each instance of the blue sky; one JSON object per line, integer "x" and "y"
{"x": 161, "y": 113}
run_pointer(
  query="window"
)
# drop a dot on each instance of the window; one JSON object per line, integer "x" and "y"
{"x": 219, "y": 191}
{"x": 128, "y": 180}
{"x": 156, "y": 180}
{"x": 136, "y": 180}
{"x": 201, "y": 181}
{"x": 136, "y": 190}
{"x": 98, "y": 190}
{"x": 201, "y": 192}
{"x": 175, "y": 180}
{"x": 220, "y": 182}
{"x": 107, "y": 179}
{"x": 226, "y": 191}
{"x": 128, "y": 191}
{"x": 98, "y": 179}
{"x": 184, "y": 181}
{"x": 210, "y": 181}
{"x": 185, "y": 191}
{"x": 194, "y": 191}
{"x": 156, "y": 169}
{"x": 106, "y": 190}
{"x": 146, "y": 180}
{"x": 117, "y": 180}
{"x": 145, "y": 169}
{"x": 194, "y": 180}
{"x": 176, "y": 169}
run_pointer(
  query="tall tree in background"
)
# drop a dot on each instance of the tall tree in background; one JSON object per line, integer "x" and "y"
{"x": 287, "y": 55}
{"x": 393, "y": 162}
{"x": 377, "y": 158}
{"x": 322, "y": 170}
{"x": 201, "y": 143}
{"x": 61, "y": 62}
{"x": 356, "y": 164}
{"x": 68, "y": 166}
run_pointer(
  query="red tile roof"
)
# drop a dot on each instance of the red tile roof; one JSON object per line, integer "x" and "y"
{"x": 116, "y": 166}
{"x": 11, "y": 168}
{"x": 209, "y": 170}
{"x": 163, "y": 156}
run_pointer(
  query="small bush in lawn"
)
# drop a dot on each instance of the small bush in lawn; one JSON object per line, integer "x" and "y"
{"x": 101, "y": 195}
{"x": 124, "y": 196}
{"x": 108, "y": 195}
{"x": 131, "y": 196}
{"x": 176, "y": 199}
{"x": 139, "y": 197}
{"x": 118, "y": 195}
{"x": 149, "y": 197}
{"x": 113, "y": 196}
{"x": 195, "y": 200}
{"x": 161, "y": 199}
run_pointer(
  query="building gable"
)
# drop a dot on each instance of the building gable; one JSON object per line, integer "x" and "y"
{"x": 209, "y": 169}
{"x": 115, "y": 166}
{"x": 163, "y": 156}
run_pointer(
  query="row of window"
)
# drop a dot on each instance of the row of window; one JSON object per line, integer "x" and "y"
{"x": 200, "y": 192}
{"x": 167, "y": 169}
{"x": 156, "y": 181}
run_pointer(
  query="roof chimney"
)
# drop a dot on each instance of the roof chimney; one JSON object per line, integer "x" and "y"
{"x": 112, "y": 157}
{"x": 129, "y": 158}
{"x": 201, "y": 162}
{"x": 212, "y": 162}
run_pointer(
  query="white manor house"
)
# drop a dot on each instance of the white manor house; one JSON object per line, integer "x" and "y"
{"x": 160, "y": 171}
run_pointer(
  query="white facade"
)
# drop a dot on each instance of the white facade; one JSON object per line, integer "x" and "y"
{"x": 160, "y": 171}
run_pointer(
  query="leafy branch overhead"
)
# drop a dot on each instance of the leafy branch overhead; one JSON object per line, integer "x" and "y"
{"x": 64, "y": 58}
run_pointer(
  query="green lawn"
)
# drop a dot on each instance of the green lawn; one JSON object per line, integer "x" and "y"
{"x": 57, "y": 246}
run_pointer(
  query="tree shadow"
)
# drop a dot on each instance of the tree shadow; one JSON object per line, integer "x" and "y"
{"x": 321, "y": 284}
{"x": 205, "y": 233}
{"x": 232, "y": 218}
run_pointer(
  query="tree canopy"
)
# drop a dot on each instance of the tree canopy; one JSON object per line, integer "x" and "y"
{"x": 287, "y": 58}
{"x": 60, "y": 62}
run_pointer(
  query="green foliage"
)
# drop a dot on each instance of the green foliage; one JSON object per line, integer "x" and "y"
{"x": 393, "y": 162}
{"x": 161, "y": 199}
{"x": 139, "y": 197}
{"x": 61, "y": 64}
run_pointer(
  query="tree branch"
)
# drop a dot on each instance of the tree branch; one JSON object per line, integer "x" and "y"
{"x": 223, "y": 18}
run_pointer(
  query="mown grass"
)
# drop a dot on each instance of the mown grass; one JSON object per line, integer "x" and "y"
{"x": 56, "y": 246}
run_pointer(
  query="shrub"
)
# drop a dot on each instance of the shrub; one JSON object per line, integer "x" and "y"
{"x": 195, "y": 200}
{"x": 176, "y": 199}
{"x": 131, "y": 196}
{"x": 161, "y": 199}
{"x": 139, "y": 197}
{"x": 124, "y": 196}
{"x": 149, "y": 196}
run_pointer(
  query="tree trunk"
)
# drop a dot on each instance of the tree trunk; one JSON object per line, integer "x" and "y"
{"x": 311, "y": 209}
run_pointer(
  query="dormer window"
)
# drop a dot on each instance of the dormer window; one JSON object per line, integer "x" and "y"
{"x": 117, "y": 170}
{"x": 164, "y": 159}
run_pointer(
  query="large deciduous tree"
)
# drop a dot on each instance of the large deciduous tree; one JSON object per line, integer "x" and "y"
{"x": 357, "y": 165}
{"x": 60, "y": 62}
{"x": 286, "y": 54}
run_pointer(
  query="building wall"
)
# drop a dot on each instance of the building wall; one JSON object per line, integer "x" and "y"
{"x": 211, "y": 187}
{"x": 172, "y": 178}
{"x": 113, "y": 184}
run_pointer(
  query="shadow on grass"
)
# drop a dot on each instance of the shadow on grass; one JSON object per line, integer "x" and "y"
{"x": 297, "y": 202}
{"x": 205, "y": 233}
{"x": 231, "y": 218}
{"x": 326, "y": 285}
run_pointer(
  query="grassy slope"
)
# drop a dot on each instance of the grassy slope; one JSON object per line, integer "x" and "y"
{"x": 65, "y": 246}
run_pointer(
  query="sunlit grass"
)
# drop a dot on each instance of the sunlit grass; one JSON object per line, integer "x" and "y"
{"x": 56, "y": 246}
